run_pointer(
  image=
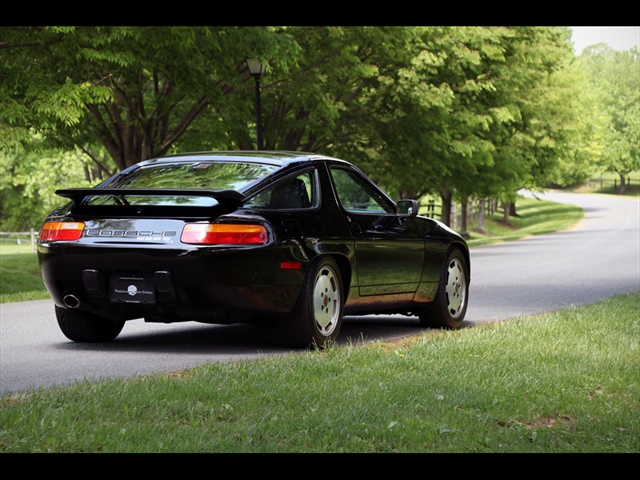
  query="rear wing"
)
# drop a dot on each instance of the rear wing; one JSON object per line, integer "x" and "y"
{"x": 77, "y": 195}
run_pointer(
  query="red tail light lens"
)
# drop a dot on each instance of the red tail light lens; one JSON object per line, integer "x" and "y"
{"x": 224, "y": 234}
{"x": 61, "y": 231}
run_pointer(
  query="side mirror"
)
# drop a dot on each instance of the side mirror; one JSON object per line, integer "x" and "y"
{"x": 407, "y": 208}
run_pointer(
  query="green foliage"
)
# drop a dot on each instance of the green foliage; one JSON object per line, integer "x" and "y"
{"x": 476, "y": 111}
{"x": 451, "y": 111}
{"x": 614, "y": 78}
{"x": 136, "y": 90}
{"x": 329, "y": 101}
{"x": 29, "y": 182}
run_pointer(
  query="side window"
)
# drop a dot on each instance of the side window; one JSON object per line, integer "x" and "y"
{"x": 290, "y": 193}
{"x": 356, "y": 195}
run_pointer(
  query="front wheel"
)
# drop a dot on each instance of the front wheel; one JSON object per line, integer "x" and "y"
{"x": 316, "y": 319}
{"x": 450, "y": 303}
{"x": 86, "y": 327}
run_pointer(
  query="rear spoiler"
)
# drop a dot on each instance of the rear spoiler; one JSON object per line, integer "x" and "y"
{"x": 78, "y": 194}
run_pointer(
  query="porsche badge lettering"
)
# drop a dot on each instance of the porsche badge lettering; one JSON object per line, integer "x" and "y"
{"x": 143, "y": 235}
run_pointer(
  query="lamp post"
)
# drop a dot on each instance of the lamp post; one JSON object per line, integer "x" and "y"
{"x": 256, "y": 68}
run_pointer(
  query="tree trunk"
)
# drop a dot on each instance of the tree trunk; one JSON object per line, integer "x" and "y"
{"x": 507, "y": 212}
{"x": 623, "y": 185}
{"x": 445, "y": 216}
{"x": 464, "y": 216}
{"x": 481, "y": 216}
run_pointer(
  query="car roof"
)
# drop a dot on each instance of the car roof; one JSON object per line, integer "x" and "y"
{"x": 276, "y": 158}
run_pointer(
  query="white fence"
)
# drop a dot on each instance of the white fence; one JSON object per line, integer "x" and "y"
{"x": 18, "y": 238}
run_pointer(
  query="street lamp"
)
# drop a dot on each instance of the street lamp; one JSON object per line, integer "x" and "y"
{"x": 256, "y": 68}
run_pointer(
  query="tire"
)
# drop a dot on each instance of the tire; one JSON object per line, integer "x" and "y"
{"x": 85, "y": 327}
{"x": 316, "y": 319}
{"x": 450, "y": 303}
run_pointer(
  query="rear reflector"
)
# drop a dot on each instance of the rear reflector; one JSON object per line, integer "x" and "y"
{"x": 224, "y": 234}
{"x": 290, "y": 265}
{"x": 61, "y": 231}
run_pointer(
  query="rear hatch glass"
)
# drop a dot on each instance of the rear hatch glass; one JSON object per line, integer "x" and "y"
{"x": 207, "y": 176}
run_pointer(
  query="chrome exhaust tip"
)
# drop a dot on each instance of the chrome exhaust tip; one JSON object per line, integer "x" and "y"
{"x": 71, "y": 301}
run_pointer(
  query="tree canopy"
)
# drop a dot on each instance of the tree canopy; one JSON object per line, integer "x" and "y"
{"x": 616, "y": 80}
{"x": 458, "y": 112}
{"x": 132, "y": 90}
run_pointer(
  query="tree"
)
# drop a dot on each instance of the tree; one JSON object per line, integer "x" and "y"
{"x": 459, "y": 112}
{"x": 330, "y": 101}
{"x": 616, "y": 77}
{"x": 476, "y": 111}
{"x": 133, "y": 90}
{"x": 582, "y": 145}
{"x": 534, "y": 97}
{"x": 432, "y": 134}
{"x": 29, "y": 181}
{"x": 615, "y": 80}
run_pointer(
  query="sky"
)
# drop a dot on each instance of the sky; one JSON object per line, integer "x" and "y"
{"x": 618, "y": 38}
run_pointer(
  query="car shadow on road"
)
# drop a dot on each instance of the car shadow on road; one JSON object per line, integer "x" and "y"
{"x": 245, "y": 339}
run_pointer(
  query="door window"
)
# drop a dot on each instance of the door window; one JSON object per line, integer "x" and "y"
{"x": 293, "y": 192}
{"x": 357, "y": 195}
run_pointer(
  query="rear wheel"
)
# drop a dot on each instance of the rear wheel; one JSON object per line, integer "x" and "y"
{"x": 316, "y": 319}
{"x": 450, "y": 303}
{"x": 86, "y": 327}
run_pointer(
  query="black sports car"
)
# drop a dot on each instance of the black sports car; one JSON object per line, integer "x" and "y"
{"x": 223, "y": 237}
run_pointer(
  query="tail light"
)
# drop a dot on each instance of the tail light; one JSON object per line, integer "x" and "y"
{"x": 61, "y": 231}
{"x": 224, "y": 234}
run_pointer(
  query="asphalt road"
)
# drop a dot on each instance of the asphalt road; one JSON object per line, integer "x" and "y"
{"x": 597, "y": 259}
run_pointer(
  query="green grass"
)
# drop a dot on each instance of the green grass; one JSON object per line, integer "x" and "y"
{"x": 21, "y": 278}
{"x": 562, "y": 382}
{"x": 609, "y": 183}
{"x": 534, "y": 217}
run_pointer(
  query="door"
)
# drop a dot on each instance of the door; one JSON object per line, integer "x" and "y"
{"x": 389, "y": 247}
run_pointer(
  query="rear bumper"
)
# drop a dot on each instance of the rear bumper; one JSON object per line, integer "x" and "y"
{"x": 201, "y": 285}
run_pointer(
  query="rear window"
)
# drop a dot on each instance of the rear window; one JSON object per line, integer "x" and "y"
{"x": 194, "y": 175}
